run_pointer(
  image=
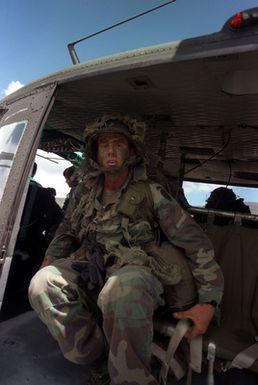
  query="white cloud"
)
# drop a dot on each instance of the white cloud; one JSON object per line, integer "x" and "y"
{"x": 190, "y": 187}
{"x": 12, "y": 87}
{"x": 50, "y": 173}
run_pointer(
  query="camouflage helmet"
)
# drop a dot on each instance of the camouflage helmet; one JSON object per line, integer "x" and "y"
{"x": 133, "y": 130}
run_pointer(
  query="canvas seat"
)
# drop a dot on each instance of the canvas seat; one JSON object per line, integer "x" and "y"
{"x": 236, "y": 250}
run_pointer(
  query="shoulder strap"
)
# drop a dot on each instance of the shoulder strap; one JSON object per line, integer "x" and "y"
{"x": 167, "y": 357}
{"x": 246, "y": 358}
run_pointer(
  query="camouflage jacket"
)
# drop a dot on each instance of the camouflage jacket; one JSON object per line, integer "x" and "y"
{"x": 86, "y": 218}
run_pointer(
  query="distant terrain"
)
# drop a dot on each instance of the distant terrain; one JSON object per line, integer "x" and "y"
{"x": 253, "y": 207}
{"x": 60, "y": 201}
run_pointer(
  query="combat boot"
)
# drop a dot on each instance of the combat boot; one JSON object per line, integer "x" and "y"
{"x": 99, "y": 374}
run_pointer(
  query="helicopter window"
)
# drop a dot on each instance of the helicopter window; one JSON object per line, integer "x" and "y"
{"x": 197, "y": 194}
{"x": 10, "y": 136}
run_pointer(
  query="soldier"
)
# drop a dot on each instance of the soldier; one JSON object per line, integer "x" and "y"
{"x": 71, "y": 179}
{"x": 102, "y": 255}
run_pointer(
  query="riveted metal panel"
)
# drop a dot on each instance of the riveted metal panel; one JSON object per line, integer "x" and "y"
{"x": 32, "y": 111}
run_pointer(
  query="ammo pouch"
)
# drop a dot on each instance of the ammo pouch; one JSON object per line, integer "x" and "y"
{"x": 182, "y": 294}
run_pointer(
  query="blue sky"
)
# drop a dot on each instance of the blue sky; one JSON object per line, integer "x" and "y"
{"x": 34, "y": 34}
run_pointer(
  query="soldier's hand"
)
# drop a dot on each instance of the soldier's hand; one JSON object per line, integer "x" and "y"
{"x": 201, "y": 315}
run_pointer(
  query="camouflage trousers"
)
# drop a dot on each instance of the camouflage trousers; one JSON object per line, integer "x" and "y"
{"x": 127, "y": 302}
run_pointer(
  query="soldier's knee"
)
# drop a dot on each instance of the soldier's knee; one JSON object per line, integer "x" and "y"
{"x": 126, "y": 294}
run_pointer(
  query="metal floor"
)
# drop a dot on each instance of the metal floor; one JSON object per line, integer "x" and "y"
{"x": 29, "y": 356}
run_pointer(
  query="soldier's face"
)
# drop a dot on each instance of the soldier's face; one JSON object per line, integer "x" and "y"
{"x": 113, "y": 151}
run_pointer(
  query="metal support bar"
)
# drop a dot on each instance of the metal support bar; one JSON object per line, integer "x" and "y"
{"x": 73, "y": 54}
{"x": 222, "y": 213}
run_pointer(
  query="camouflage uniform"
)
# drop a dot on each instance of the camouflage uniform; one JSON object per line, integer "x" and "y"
{"x": 131, "y": 292}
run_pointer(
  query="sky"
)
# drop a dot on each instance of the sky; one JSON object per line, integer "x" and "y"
{"x": 34, "y": 37}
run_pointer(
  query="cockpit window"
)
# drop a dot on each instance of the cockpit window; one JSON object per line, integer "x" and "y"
{"x": 10, "y": 136}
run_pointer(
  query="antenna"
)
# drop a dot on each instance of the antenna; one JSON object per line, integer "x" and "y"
{"x": 71, "y": 46}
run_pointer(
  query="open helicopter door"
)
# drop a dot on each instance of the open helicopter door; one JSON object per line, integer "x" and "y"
{"x": 22, "y": 120}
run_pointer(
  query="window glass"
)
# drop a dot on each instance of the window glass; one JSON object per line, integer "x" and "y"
{"x": 10, "y": 136}
{"x": 198, "y": 193}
